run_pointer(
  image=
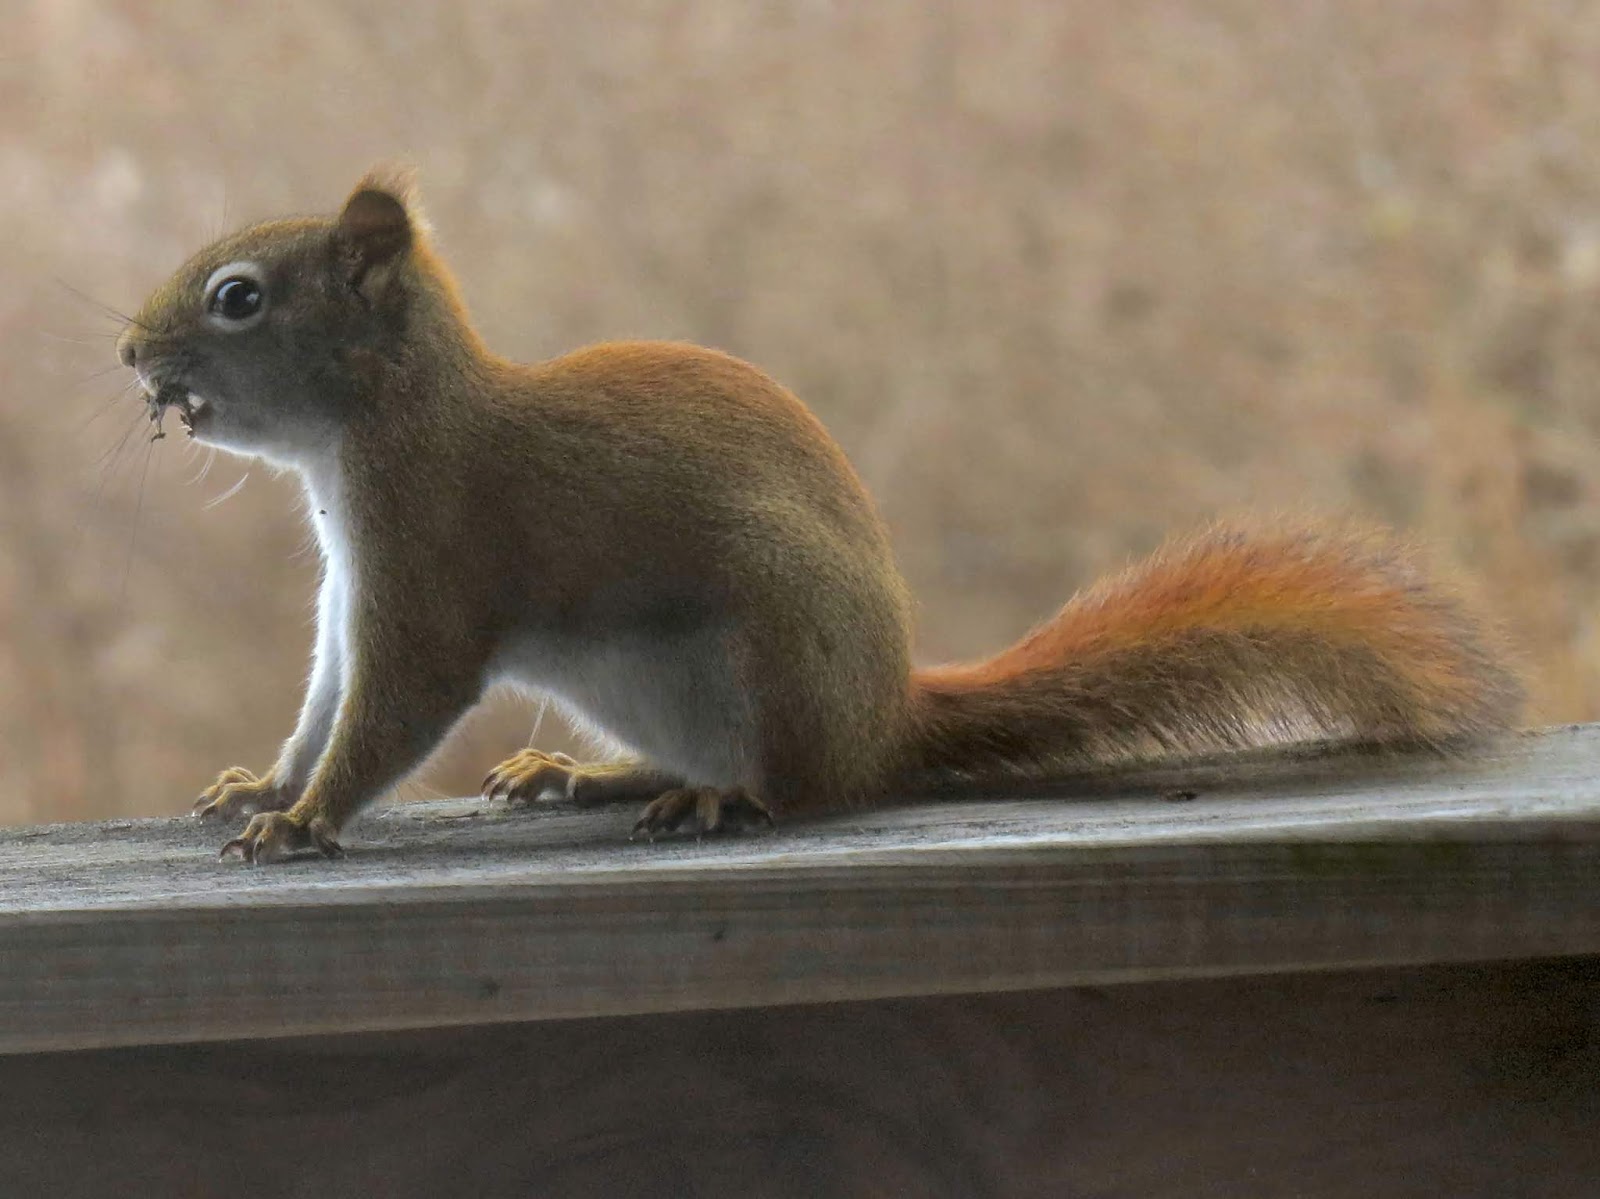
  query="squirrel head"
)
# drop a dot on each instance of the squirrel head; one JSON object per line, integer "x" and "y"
{"x": 269, "y": 340}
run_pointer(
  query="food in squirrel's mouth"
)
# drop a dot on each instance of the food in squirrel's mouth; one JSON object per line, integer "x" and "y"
{"x": 173, "y": 395}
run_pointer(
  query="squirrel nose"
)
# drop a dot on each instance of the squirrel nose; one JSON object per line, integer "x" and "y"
{"x": 126, "y": 350}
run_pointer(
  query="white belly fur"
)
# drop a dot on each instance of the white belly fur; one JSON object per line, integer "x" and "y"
{"x": 672, "y": 700}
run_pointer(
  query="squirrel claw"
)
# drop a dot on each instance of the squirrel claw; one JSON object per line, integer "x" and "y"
{"x": 713, "y": 809}
{"x": 238, "y": 791}
{"x": 322, "y": 837}
{"x": 270, "y": 835}
{"x": 530, "y": 775}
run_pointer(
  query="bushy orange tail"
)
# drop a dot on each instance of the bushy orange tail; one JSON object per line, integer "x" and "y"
{"x": 1223, "y": 641}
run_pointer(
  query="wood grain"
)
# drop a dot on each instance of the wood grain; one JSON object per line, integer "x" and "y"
{"x": 1461, "y": 1081}
{"x": 460, "y": 913}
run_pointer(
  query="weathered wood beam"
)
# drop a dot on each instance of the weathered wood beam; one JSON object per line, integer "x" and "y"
{"x": 458, "y": 913}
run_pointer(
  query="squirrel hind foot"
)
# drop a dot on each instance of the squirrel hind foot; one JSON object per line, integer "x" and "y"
{"x": 532, "y": 775}
{"x": 711, "y": 809}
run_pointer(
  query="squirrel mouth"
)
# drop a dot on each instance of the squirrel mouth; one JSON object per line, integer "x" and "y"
{"x": 191, "y": 408}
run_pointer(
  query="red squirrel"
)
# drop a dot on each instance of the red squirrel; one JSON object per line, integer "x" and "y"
{"x": 668, "y": 543}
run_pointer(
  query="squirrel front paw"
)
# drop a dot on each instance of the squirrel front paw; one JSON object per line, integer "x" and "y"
{"x": 270, "y": 835}
{"x": 238, "y": 791}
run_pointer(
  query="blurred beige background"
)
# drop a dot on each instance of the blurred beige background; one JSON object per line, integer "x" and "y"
{"x": 1060, "y": 274}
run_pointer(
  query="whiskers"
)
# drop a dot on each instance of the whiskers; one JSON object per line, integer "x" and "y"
{"x": 200, "y": 475}
{"x": 122, "y": 458}
{"x": 226, "y": 495}
{"x": 114, "y": 462}
{"x": 99, "y": 343}
{"x": 114, "y": 313}
{"x": 138, "y": 513}
{"x": 111, "y": 464}
{"x": 112, "y": 459}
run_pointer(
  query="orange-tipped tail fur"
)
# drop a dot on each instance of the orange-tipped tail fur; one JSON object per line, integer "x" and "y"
{"x": 1223, "y": 641}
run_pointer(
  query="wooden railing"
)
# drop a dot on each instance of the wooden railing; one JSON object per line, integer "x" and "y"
{"x": 460, "y": 914}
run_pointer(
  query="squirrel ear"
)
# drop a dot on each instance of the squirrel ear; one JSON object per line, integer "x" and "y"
{"x": 373, "y": 233}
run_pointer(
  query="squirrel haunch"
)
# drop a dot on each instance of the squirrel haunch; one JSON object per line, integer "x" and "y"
{"x": 668, "y": 542}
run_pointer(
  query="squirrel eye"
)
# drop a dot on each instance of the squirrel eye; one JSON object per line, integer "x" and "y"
{"x": 237, "y": 299}
{"x": 235, "y": 296}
